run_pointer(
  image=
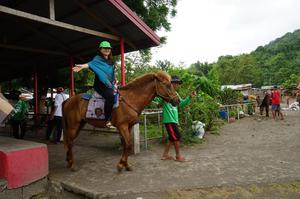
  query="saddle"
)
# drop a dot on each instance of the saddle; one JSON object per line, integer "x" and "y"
{"x": 95, "y": 108}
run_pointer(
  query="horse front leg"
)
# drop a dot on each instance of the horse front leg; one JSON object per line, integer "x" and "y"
{"x": 126, "y": 142}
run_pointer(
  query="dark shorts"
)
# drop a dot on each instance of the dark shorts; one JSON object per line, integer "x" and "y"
{"x": 173, "y": 132}
{"x": 275, "y": 107}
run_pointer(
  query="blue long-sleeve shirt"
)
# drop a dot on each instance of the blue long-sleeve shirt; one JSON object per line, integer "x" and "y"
{"x": 103, "y": 70}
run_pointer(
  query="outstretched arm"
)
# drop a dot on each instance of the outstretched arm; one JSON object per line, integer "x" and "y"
{"x": 79, "y": 67}
{"x": 187, "y": 100}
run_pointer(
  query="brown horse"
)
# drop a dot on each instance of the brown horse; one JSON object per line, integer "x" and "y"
{"x": 133, "y": 98}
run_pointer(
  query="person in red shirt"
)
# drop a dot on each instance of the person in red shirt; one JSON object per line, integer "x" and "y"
{"x": 276, "y": 103}
{"x": 287, "y": 99}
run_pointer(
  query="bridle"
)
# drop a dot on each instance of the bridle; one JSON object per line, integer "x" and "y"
{"x": 168, "y": 92}
{"x": 157, "y": 93}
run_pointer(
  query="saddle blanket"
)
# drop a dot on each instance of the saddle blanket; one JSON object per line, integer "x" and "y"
{"x": 95, "y": 108}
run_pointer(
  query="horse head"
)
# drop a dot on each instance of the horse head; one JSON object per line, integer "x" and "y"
{"x": 165, "y": 89}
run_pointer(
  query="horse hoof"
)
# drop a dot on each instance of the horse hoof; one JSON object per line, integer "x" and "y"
{"x": 129, "y": 168}
{"x": 74, "y": 168}
{"x": 120, "y": 167}
{"x": 69, "y": 165}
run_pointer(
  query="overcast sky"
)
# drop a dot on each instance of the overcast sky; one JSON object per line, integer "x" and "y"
{"x": 203, "y": 30}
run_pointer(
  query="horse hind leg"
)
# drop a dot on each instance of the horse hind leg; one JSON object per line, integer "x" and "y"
{"x": 71, "y": 135}
{"x": 69, "y": 155}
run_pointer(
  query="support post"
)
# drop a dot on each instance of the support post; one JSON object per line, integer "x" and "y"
{"x": 36, "y": 101}
{"x": 228, "y": 114}
{"x": 122, "y": 61}
{"x": 158, "y": 118}
{"x": 52, "y": 9}
{"x": 135, "y": 132}
{"x": 71, "y": 77}
{"x": 145, "y": 131}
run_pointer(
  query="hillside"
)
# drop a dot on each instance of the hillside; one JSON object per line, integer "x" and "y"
{"x": 272, "y": 64}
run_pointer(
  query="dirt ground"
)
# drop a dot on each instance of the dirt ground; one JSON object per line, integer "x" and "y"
{"x": 255, "y": 157}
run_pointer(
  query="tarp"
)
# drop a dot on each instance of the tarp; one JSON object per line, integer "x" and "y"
{"x": 5, "y": 108}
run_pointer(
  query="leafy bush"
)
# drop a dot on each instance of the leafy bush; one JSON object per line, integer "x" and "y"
{"x": 207, "y": 86}
{"x": 204, "y": 108}
{"x": 229, "y": 96}
{"x": 232, "y": 114}
{"x": 188, "y": 136}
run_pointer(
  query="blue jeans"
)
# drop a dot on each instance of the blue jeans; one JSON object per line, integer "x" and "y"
{"x": 275, "y": 107}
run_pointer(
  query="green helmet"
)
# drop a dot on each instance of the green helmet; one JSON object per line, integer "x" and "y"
{"x": 104, "y": 44}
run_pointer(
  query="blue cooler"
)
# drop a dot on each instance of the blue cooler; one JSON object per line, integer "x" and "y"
{"x": 223, "y": 115}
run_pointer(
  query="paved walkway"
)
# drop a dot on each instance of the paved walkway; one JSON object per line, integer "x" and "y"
{"x": 252, "y": 150}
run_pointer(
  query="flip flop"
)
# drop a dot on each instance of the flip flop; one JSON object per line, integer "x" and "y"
{"x": 180, "y": 159}
{"x": 167, "y": 158}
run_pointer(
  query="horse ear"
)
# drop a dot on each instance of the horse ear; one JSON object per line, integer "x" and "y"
{"x": 156, "y": 76}
{"x": 160, "y": 76}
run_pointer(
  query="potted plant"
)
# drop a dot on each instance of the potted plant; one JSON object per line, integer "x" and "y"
{"x": 232, "y": 115}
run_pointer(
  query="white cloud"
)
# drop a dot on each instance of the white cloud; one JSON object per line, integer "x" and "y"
{"x": 203, "y": 30}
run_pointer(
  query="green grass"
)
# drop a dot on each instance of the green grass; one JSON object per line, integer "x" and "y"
{"x": 153, "y": 131}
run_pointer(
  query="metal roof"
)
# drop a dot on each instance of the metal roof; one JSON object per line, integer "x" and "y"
{"x": 238, "y": 87}
{"x": 43, "y": 35}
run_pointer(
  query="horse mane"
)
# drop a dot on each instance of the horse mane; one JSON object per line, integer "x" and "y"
{"x": 146, "y": 78}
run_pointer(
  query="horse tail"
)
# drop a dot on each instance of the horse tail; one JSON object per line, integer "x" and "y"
{"x": 64, "y": 123}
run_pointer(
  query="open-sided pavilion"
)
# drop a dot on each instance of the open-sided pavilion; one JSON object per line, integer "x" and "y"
{"x": 38, "y": 37}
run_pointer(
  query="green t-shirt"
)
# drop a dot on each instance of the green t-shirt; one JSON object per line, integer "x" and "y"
{"x": 20, "y": 109}
{"x": 170, "y": 112}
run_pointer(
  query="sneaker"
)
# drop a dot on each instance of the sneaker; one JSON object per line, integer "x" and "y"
{"x": 110, "y": 126}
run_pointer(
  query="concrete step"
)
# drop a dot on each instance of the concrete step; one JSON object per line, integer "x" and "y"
{"x": 22, "y": 162}
{"x": 3, "y": 184}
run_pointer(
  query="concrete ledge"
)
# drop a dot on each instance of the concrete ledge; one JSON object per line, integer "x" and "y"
{"x": 22, "y": 162}
{"x": 34, "y": 190}
{"x": 3, "y": 184}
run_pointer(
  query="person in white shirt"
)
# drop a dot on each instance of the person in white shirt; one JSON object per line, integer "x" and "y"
{"x": 56, "y": 114}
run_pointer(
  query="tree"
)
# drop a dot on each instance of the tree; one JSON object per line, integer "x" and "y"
{"x": 292, "y": 82}
{"x": 164, "y": 65}
{"x": 240, "y": 69}
{"x": 155, "y": 13}
{"x": 200, "y": 69}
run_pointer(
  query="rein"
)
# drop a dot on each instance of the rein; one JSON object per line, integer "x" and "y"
{"x": 129, "y": 105}
{"x": 156, "y": 90}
